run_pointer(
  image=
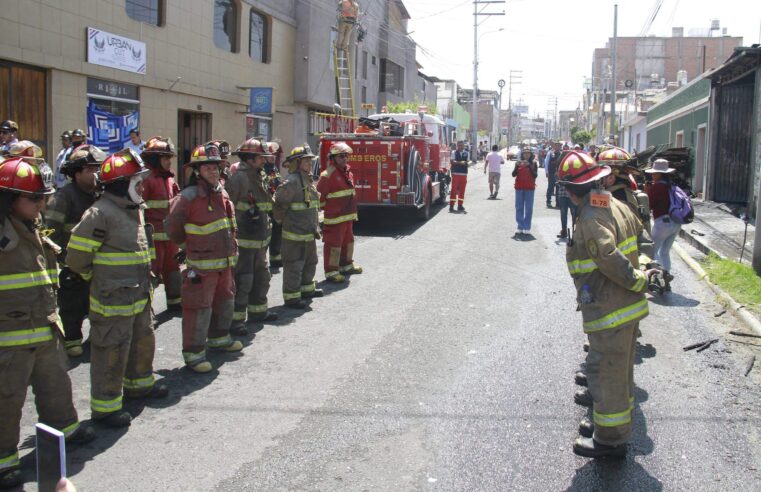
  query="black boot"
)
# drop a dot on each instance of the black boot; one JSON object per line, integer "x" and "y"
{"x": 239, "y": 329}
{"x": 314, "y": 293}
{"x": 586, "y": 347}
{"x": 583, "y": 398}
{"x": 264, "y": 317}
{"x": 81, "y": 436}
{"x": 296, "y": 304}
{"x": 10, "y": 478}
{"x": 589, "y": 448}
{"x": 120, "y": 418}
{"x": 580, "y": 378}
{"x": 586, "y": 428}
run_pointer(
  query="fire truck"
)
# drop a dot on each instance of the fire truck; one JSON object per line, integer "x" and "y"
{"x": 399, "y": 160}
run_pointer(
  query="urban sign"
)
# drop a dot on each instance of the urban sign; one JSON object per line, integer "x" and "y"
{"x": 111, "y": 50}
{"x": 260, "y": 100}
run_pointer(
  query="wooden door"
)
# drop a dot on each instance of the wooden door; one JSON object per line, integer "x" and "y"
{"x": 23, "y": 99}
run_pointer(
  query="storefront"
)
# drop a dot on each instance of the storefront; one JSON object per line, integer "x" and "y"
{"x": 23, "y": 99}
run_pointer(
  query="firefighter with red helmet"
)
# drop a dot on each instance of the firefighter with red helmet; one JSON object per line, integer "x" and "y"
{"x": 110, "y": 247}
{"x": 603, "y": 260}
{"x": 159, "y": 188}
{"x": 296, "y": 204}
{"x": 64, "y": 211}
{"x": 271, "y": 169}
{"x": 31, "y": 345}
{"x": 202, "y": 221}
{"x": 249, "y": 193}
{"x": 339, "y": 204}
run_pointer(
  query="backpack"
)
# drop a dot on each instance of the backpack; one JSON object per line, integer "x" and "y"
{"x": 680, "y": 208}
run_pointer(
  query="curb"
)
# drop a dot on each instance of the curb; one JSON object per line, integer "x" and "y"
{"x": 737, "y": 309}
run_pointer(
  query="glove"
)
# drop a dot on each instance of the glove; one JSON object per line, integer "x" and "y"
{"x": 317, "y": 235}
{"x": 181, "y": 256}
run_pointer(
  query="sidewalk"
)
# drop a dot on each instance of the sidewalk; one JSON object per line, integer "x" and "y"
{"x": 716, "y": 230}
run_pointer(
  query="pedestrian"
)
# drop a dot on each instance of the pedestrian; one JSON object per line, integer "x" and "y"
{"x": 493, "y": 165}
{"x": 202, "y": 218}
{"x": 135, "y": 143}
{"x": 338, "y": 201}
{"x": 252, "y": 199}
{"x": 296, "y": 204}
{"x": 525, "y": 173}
{"x": 60, "y": 179}
{"x": 274, "y": 180}
{"x": 64, "y": 211}
{"x": 665, "y": 230}
{"x": 348, "y": 12}
{"x": 459, "y": 171}
{"x": 159, "y": 189}
{"x": 110, "y": 248}
{"x": 8, "y": 135}
{"x": 31, "y": 348}
{"x": 551, "y": 163}
{"x": 565, "y": 205}
{"x": 602, "y": 259}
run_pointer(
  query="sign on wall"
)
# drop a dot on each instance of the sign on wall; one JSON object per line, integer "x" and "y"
{"x": 109, "y": 131}
{"x": 111, "y": 50}
{"x": 260, "y": 100}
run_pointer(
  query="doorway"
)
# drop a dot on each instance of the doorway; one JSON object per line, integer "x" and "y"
{"x": 193, "y": 129}
{"x": 700, "y": 159}
{"x": 23, "y": 99}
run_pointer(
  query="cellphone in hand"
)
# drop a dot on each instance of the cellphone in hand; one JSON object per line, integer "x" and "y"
{"x": 51, "y": 457}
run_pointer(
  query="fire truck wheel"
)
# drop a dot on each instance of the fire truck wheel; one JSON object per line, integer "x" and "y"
{"x": 424, "y": 212}
{"x": 444, "y": 179}
{"x": 415, "y": 180}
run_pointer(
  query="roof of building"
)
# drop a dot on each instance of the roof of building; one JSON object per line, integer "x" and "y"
{"x": 742, "y": 60}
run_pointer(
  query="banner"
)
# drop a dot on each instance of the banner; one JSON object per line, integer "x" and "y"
{"x": 108, "y": 131}
{"x": 111, "y": 50}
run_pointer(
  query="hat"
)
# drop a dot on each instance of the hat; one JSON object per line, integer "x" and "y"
{"x": 660, "y": 166}
{"x": 9, "y": 125}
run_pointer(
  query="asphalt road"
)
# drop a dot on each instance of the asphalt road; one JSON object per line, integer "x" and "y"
{"x": 447, "y": 365}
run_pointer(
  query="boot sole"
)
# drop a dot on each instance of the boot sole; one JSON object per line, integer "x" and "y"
{"x": 588, "y": 453}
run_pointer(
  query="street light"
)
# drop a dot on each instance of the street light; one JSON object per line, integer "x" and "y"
{"x": 474, "y": 122}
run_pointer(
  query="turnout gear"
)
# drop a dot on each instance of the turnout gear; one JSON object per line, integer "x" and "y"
{"x": 202, "y": 221}
{"x": 273, "y": 181}
{"x": 459, "y": 172}
{"x": 110, "y": 248}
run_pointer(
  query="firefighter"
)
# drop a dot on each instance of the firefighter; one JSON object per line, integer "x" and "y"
{"x": 31, "y": 348}
{"x": 603, "y": 261}
{"x": 249, "y": 193}
{"x": 339, "y": 203}
{"x": 296, "y": 203}
{"x": 271, "y": 169}
{"x": 64, "y": 212}
{"x": 348, "y": 11}
{"x": 110, "y": 248}
{"x": 459, "y": 171}
{"x": 202, "y": 221}
{"x": 159, "y": 188}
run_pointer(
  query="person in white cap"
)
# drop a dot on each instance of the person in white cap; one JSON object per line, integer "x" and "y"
{"x": 665, "y": 230}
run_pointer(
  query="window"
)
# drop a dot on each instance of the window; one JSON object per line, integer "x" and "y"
{"x": 148, "y": 11}
{"x": 226, "y": 25}
{"x": 679, "y": 138}
{"x": 391, "y": 78}
{"x": 258, "y": 37}
{"x": 364, "y": 94}
{"x": 364, "y": 65}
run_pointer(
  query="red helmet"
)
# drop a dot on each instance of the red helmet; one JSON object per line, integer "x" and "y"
{"x": 27, "y": 149}
{"x": 224, "y": 147}
{"x": 340, "y": 148}
{"x": 252, "y": 146}
{"x": 121, "y": 165}
{"x": 205, "y": 154}
{"x": 158, "y": 146}
{"x": 580, "y": 168}
{"x": 272, "y": 147}
{"x": 20, "y": 176}
{"x": 613, "y": 156}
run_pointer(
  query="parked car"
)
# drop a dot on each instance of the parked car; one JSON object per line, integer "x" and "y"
{"x": 513, "y": 152}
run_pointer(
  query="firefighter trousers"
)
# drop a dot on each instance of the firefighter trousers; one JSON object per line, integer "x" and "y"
{"x": 122, "y": 350}
{"x": 610, "y": 377}
{"x": 338, "y": 252}
{"x": 252, "y": 282}
{"x": 299, "y": 267}
{"x": 165, "y": 267}
{"x": 74, "y": 305}
{"x": 276, "y": 242}
{"x": 457, "y": 193}
{"x": 45, "y": 368}
{"x": 207, "y": 311}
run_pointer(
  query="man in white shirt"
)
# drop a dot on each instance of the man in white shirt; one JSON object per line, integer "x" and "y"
{"x": 134, "y": 141}
{"x": 59, "y": 178}
{"x": 492, "y": 165}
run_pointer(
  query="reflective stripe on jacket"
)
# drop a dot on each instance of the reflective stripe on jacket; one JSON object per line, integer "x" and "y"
{"x": 248, "y": 191}
{"x": 159, "y": 188}
{"x": 337, "y": 195}
{"x": 296, "y": 202}
{"x": 65, "y": 210}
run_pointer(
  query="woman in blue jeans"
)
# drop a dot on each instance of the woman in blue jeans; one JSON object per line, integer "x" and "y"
{"x": 525, "y": 173}
{"x": 665, "y": 230}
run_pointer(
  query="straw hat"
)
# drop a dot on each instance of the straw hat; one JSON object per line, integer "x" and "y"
{"x": 660, "y": 166}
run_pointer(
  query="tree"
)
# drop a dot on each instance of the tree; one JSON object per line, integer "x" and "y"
{"x": 581, "y": 137}
{"x": 412, "y": 106}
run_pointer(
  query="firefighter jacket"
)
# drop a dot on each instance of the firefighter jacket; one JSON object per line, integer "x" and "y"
{"x": 603, "y": 261}
{"x": 640, "y": 205}
{"x": 65, "y": 210}
{"x": 338, "y": 198}
{"x": 28, "y": 279}
{"x": 110, "y": 248}
{"x": 202, "y": 221}
{"x": 248, "y": 192}
{"x": 159, "y": 188}
{"x": 296, "y": 203}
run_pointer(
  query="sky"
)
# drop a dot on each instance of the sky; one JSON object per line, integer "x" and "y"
{"x": 552, "y": 41}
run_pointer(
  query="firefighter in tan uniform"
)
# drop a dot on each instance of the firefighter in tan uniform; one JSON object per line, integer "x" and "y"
{"x": 603, "y": 261}
{"x": 31, "y": 343}
{"x": 296, "y": 203}
{"x": 249, "y": 194}
{"x": 271, "y": 169}
{"x": 110, "y": 247}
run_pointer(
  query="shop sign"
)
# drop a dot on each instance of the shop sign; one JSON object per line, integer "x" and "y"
{"x": 260, "y": 100}
{"x": 111, "y": 50}
{"x": 108, "y": 88}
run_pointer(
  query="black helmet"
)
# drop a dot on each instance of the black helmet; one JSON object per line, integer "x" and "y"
{"x": 84, "y": 155}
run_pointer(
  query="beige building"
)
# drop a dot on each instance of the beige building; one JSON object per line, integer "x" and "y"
{"x": 186, "y": 66}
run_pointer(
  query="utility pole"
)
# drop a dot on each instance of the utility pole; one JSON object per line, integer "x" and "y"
{"x": 515, "y": 78}
{"x": 501, "y": 85}
{"x": 474, "y": 118}
{"x": 553, "y": 102}
{"x": 613, "y": 62}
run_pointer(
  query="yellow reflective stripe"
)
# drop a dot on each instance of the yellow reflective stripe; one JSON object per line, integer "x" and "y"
{"x": 86, "y": 275}
{"x": 618, "y": 318}
{"x": 55, "y": 216}
{"x": 300, "y": 206}
{"x": 31, "y": 279}
{"x": 160, "y": 236}
{"x": 239, "y": 315}
{"x": 322, "y": 204}
{"x": 83, "y": 244}
{"x": 117, "y": 310}
{"x": 576, "y": 267}
{"x": 338, "y": 220}
{"x": 18, "y": 338}
{"x": 331, "y": 273}
{"x": 70, "y": 429}
{"x": 641, "y": 281}
{"x": 629, "y": 245}
{"x": 139, "y": 383}
{"x": 242, "y": 206}
{"x": 257, "y": 308}
{"x": 210, "y": 228}
{"x": 220, "y": 342}
{"x": 341, "y": 193}
{"x": 266, "y": 206}
{"x": 8, "y": 462}
{"x": 192, "y": 358}
{"x": 308, "y": 288}
{"x": 253, "y": 244}
{"x": 122, "y": 258}
{"x": 213, "y": 264}
{"x": 173, "y": 302}
{"x": 612, "y": 419}
{"x": 297, "y": 237}
{"x": 106, "y": 406}
{"x": 288, "y": 296}
{"x": 157, "y": 204}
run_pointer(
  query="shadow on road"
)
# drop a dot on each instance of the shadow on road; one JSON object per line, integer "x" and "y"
{"x": 674, "y": 299}
{"x": 391, "y": 222}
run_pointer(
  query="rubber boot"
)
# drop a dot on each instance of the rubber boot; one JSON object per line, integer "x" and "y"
{"x": 589, "y": 448}
{"x": 120, "y": 418}
{"x": 586, "y": 428}
{"x": 10, "y": 478}
{"x": 583, "y": 398}
{"x": 314, "y": 293}
{"x": 81, "y": 436}
{"x": 580, "y": 379}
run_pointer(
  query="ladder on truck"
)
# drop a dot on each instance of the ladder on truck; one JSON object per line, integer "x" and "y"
{"x": 344, "y": 82}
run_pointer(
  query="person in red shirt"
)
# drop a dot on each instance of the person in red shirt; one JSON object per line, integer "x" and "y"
{"x": 525, "y": 173}
{"x": 665, "y": 230}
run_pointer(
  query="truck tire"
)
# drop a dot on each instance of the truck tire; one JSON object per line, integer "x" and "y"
{"x": 444, "y": 179}
{"x": 424, "y": 213}
{"x": 415, "y": 179}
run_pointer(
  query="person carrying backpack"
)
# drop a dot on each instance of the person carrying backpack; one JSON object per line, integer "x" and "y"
{"x": 665, "y": 228}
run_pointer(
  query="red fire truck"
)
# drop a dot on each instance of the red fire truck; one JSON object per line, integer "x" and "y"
{"x": 399, "y": 160}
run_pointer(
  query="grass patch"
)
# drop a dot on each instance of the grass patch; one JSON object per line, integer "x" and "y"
{"x": 737, "y": 280}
